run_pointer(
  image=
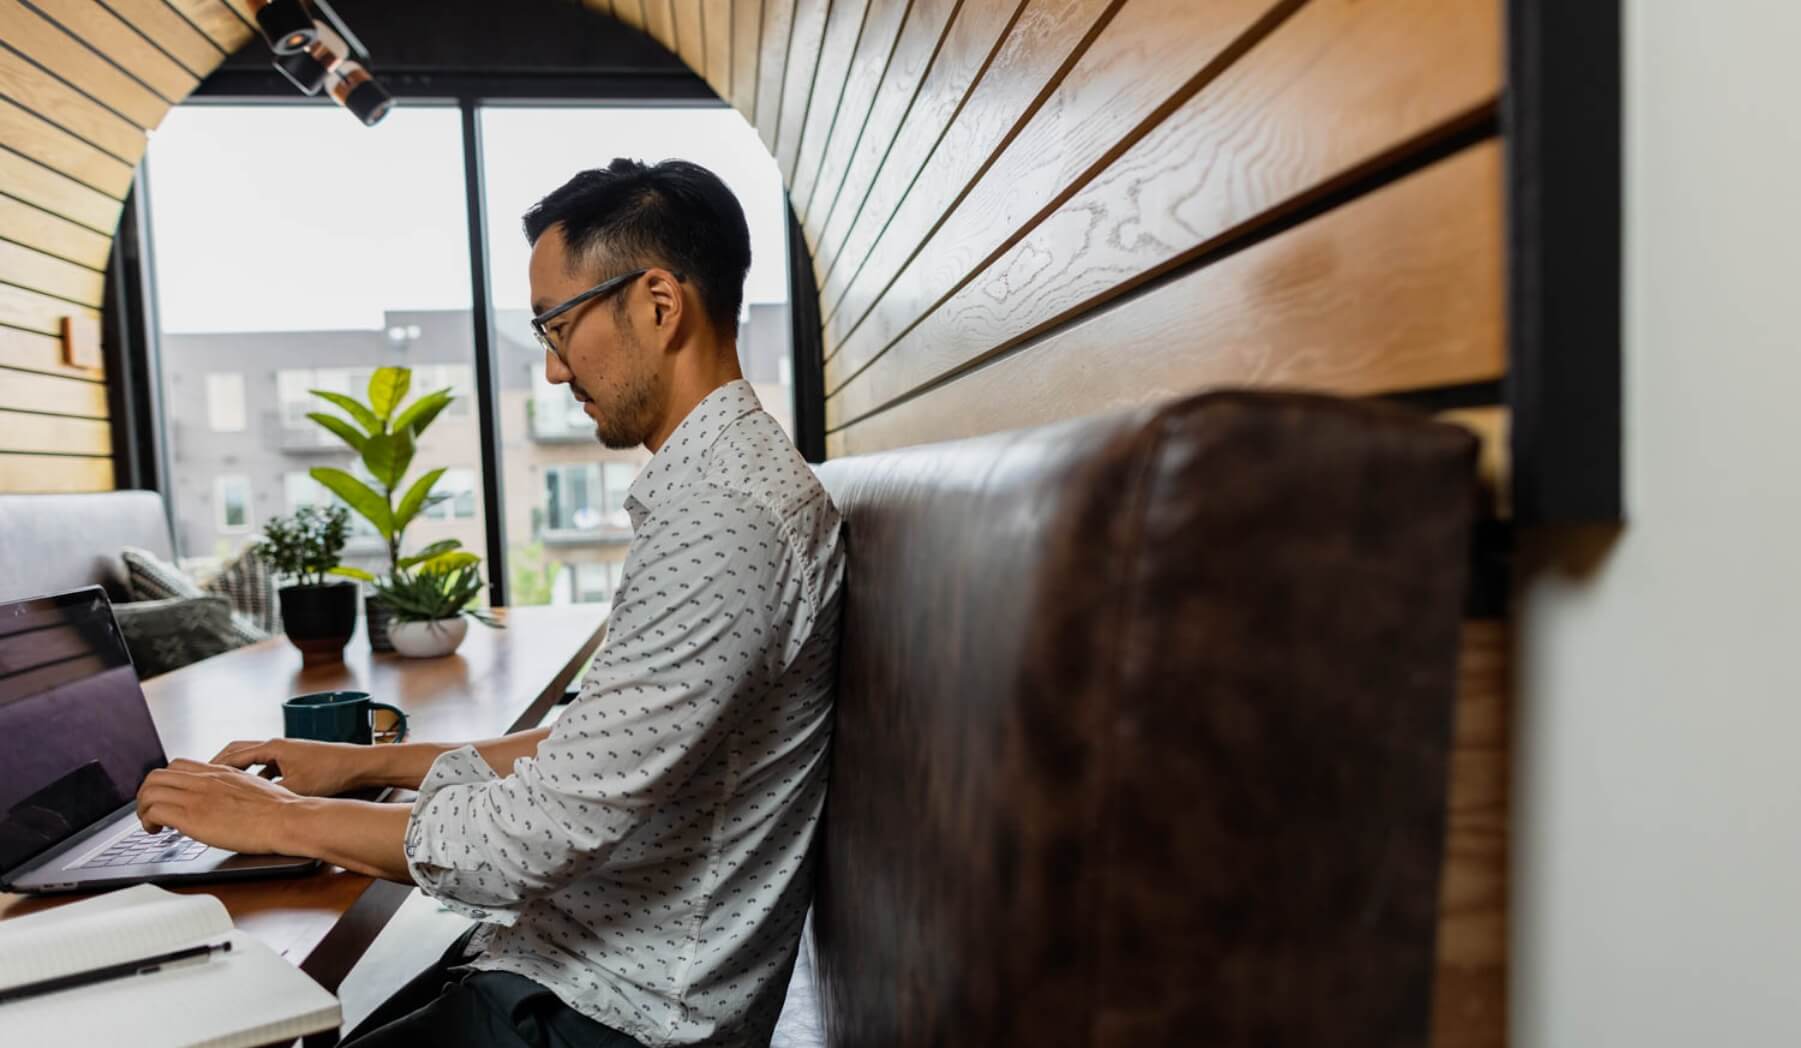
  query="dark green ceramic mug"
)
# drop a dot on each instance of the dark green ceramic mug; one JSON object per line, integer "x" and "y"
{"x": 338, "y": 716}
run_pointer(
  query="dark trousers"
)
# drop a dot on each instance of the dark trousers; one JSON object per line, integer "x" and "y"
{"x": 480, "y": 1010}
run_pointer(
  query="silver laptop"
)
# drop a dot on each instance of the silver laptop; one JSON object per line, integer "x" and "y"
{"x": 76, "y": 742}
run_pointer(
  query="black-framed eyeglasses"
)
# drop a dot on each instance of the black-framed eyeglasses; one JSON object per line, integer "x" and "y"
{"x": 603, "y": 288}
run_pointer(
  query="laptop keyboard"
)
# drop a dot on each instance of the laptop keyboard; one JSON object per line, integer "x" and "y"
{"x": 138, "y": 847}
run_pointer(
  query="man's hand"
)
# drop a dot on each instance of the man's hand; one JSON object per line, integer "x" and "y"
{"x": 220, "y": 806}
{"x": 311, "y": 769}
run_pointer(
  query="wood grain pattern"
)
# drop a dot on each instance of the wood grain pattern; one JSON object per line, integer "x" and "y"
{"x": 659, "y": 22}
{"x": 842, "y": 29}
{"x": 499, "y": 681}
{"x": 690, "y": 39}
{"x": 171, "y": 32}
{"x": 805, "y": 39}
{"x": 32, "y": 136}
{"x": 106, "y": 33}
{"x": 54, "y": 100}
{"x": 845, "y": 178}
{"x": 35, "y": 311}
{"x": 1469, "y": 994}
{"x": 875, "y": 46}
{"x": 213, "y": 18}
{"x": 631, "y": 12}
{"x": 1312, "y": 308}
{"x": 57, "y": 193}
{"x": 1491, "y": 424}
{"x": 1020, "y": 76}
{"x": 44, "y": 43}
{"x": 1141, "y": 59}
{"x": 35, "y": 227}
{"x": 21, "y": 432}
{"x": 1335, "y": 88}
{"x": 772, "y": 67}
{"x": 32, "y": 391}
{"x": 716, "y": 42}
{"x": 747, "y": 49}
{"x": 54, "y": 473}
{"x": 31, "y": 351}
{"x": 32, "y": 269}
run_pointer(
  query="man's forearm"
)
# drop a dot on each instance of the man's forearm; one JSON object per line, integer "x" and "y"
{"x": 404, "y": 765}
{"x": 357, "y": 835}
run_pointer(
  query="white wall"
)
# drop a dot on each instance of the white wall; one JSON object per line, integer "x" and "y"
{"x": 1658, "y": 778}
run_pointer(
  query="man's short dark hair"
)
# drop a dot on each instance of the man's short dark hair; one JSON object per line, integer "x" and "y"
{"x": 675, "y": 214}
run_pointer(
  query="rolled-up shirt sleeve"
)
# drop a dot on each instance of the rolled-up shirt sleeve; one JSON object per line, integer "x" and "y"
{"x": 713, "y": 605}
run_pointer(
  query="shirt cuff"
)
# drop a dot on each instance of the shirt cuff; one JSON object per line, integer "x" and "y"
{"x": 439, "y": 855}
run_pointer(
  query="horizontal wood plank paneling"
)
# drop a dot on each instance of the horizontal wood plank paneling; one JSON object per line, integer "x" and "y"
{"x": 690, "y": 38}
{"x": 215, "y": 19}
{"x": 804, "y": 41}
{"x": 104, "y": 32}
{"x": 716, "y": 42}
{"x": 1469, "y": 993}
{"x": 835, "y": 51}
{"x": 35, "y": 227}
{"x": 875, "y": 46}
{"x": 631, "y": 12}
{"x": 935, "y": 63}
{"x": 23, "y": 432}
{"x": 659, "y": 22}
{"x": 33, "y": 351}
{"x": 68, "y": 108}
{"x": 747, "y": 45}
{"x": 27, "y": 32}
{"x": 54, "y": 473}
{"x": 937, "y": 161}
{"x": 1312, "y": 308}
{"x": 29, "y": 391}
{"x": 29, "y": 268}
{"x": 1491, "y": 424}
{"x": 604, "y": 7}
{"x": 57, "y": 193}
{"x": 170, "y": 31}
{"x": 772, "y": 67}
{"x": 34, "y": 311}
{"x": 30, "y": 135}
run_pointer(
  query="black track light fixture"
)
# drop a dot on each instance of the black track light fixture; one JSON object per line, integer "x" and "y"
{"x": 313, "y": 55}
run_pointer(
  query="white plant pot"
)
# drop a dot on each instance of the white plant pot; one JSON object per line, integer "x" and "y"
{"x": 428, "y": 640}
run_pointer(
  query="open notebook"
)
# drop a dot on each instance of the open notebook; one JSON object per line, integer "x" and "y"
{"x": 248, "y": 996}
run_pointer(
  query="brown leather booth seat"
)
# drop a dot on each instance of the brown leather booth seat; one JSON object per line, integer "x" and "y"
{"x": 54, "y": 543}
{"x": 1142, "y": 730}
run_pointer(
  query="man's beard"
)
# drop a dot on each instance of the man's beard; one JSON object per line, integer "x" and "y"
{"x": 626, "y": 423}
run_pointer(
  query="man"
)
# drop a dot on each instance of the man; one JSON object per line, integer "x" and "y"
{"x": 640, "y": 869}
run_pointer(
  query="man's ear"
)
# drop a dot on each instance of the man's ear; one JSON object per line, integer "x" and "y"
{"x": 666, "y": 301}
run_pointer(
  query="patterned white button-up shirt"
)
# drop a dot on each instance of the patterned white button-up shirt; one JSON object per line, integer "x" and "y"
{"x": 650, "y": 864}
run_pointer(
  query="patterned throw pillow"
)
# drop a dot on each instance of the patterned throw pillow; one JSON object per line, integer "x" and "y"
{"x": 164, "y": 635}
{"x": 152, "y": 578}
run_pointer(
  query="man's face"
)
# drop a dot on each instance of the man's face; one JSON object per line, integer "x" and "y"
{"x": 600, "y": 356}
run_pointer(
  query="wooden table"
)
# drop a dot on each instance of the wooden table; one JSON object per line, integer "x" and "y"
{"x": 499, "y": 681}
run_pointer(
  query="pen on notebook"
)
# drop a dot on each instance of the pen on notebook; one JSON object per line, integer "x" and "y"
{"x": 142, "y": 966}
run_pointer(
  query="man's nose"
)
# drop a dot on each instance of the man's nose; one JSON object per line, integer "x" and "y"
{"x": 555, "y": 370}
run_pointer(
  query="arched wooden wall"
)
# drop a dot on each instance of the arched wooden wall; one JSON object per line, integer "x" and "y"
{"x": 1018, "y": 210}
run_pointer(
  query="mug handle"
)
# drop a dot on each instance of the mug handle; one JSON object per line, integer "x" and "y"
{"x": 399, "y": 729}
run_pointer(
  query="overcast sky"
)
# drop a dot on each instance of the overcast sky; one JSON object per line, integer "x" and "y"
{"x": 298, "y": 218}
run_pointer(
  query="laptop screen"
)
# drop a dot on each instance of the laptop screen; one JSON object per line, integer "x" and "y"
{"x": 76, "y": 738}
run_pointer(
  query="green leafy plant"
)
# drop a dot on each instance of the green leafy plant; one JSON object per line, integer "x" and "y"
{"x": 306, "y": 546}
{"x": 385, "y": 435}
{"x": 430, "y": 594}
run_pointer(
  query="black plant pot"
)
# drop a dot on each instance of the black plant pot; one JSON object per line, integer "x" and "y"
{"x": 376, "y": 617}
{"x": 319, "y": 620}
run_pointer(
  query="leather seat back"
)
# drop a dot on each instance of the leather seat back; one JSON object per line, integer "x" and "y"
{"x": 1142, "y": 730}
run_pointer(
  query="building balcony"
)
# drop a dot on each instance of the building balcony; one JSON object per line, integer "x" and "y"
{"x": 603, "y": 535}
{"x": 307, "y": 438}
{"x": 550, "y": 423}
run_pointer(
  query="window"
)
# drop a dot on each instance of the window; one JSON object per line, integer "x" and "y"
{"x": 459, "y": 485}
{"x": 595, "y": 583}
{"x": 588, "y": 496}
{"x": 260, "y": 303}
{"x": 225, "y": 401}
{"x": 231, "y": 497}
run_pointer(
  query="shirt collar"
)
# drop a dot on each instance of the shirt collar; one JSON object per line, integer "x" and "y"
{"x": 682, "y": 455}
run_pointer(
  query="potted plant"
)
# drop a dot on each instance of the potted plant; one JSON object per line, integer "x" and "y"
{"x": 432, "y": 605}
{"x": 384, "y": 435}
{"x": 319, "y": 615}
